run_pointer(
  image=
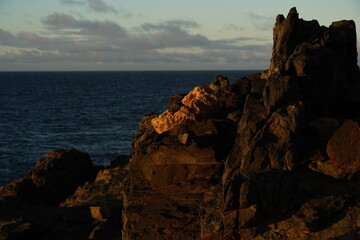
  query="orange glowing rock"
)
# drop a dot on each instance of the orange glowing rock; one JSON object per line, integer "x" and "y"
{"x": 167, "y": 120}
{"x": 200, "y": 103}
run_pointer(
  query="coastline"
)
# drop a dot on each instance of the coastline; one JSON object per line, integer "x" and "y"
{"x": 271, "y": 155}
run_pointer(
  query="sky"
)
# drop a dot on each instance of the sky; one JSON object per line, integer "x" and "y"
{"x": 121, "y": 35}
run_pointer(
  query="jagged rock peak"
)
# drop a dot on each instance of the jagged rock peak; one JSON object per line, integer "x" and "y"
{"x": 322, "y": 59}
{"x": 290, "y": 32}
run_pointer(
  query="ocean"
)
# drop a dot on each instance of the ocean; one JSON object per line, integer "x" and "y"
{"x": 94, "y": 112}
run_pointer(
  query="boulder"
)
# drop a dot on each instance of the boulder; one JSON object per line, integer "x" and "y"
{"x": 54, "y": 178}
{"x": 167, "y": 121}
{"x": 343, "y": 150}
{"x": 200, "y": 103}
{"x": 107, "y": 187}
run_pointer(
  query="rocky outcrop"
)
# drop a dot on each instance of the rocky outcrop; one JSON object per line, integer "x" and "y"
{"x": 29, "y": 205}
{"x": 171, "y": 174}
{"x": 104, "y": 190}
{"x": 54, "y": 178}
{"x": 275, "y": 135}
{"x": 64, "y": 197}
{"x": 262, "y": 182}
{"x": 270, "y": 156}
{"x": 200, "y": 103}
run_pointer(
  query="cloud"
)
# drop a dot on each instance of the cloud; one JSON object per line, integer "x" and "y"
{"x": 77, "y": 43}
{"x": 32, "y": 38}
{"x": 232, "y": 27}
{"x": 22, "y": 39}
{"x": 4, "y": 13}
{"x": 29, "y": 40}
{"x": 6, "y": 38}
{"x": 175, "y": 38}
{"x": 100, "y": 6}
{"x": 104, "y": 29}
{"x": 71, "y": 2}
{"x": 264, "y": 23}
{"x": 123, "y": 59}
{"x": 61, "y": 20}
{"x": 170, "y": 25}
{"x": 84, "y": 55}
{"x": 167, "y": 34}
{"x": 234, "y": 42}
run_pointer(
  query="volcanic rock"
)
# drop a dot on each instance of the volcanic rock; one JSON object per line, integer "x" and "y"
{"x": 175, "y": 102}
{"x": 166, "y": 121}
{"x": 260, "y": 186}
{"x": 325, "y": 126}
{"x": 309, "y": 51}
{"x": 343, "y": 150}
{"x": 54, "y": 178}
{"x": 202, "y": 102}
{"x": 270, "y": 156}
{"x": 32, "y": 211}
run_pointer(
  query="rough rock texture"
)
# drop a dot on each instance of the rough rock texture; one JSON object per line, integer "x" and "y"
{"x": 54, "y": 178}
{"x": 200, "y": 180}
{"x": 36, "y": 211}
{"x": 270, "y": 156}
{"x": 170, "y": 177}
{"x": 308, "y": 51}
{"x": 343, "y": 150}
{"x": 200, "y": 103}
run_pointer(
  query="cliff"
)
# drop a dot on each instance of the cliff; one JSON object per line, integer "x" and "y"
{"x": 271, "y": 156}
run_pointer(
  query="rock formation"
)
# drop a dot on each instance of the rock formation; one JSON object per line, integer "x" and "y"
{"x": 53, "y": 179}
{"x": 197, "y": 179}
{"x": 271, "y": 156}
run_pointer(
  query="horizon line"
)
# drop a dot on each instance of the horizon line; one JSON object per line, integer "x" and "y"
{"x": 184, "y": 70}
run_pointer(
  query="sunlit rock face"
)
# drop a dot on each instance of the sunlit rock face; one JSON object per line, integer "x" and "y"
{"x": 200, "y": 103}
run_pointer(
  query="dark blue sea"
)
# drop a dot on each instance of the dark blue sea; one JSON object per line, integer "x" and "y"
{"x": 94, "y": 112}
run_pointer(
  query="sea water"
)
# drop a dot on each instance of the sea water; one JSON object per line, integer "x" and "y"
{"x": 94, "y": 112}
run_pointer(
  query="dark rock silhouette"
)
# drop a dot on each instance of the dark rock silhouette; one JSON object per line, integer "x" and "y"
{"x": 271, "y": 156}
{"x": 54, "y": 178}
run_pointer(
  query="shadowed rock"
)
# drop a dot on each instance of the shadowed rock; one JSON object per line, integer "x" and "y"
{"x": 270, "y": 156}
{"x": 54, "y": 178}
{"x": 343, "y": 150}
